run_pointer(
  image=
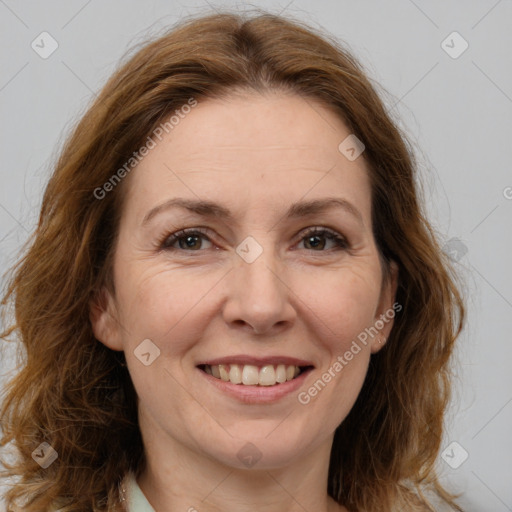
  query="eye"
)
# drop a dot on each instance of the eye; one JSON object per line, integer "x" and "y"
{"x": 185, "y": 239}
{"x": 317, "y": 238}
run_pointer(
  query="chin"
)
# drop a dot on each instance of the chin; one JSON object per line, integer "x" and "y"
{"x": 259, "y": 447}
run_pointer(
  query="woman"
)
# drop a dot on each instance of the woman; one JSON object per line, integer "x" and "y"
{"x": 233, "y": 300}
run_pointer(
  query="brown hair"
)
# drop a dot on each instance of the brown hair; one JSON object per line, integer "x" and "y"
{"x": 76, "y": 394}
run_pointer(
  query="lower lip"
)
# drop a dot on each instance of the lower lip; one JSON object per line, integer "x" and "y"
{"x": 257, "y": 394}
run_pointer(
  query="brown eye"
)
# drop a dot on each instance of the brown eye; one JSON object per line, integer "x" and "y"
{"x": 317, "y": 239}
{"x": 185, "y": 240}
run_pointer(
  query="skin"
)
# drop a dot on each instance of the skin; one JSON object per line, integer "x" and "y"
{"x": 255, "y": 155}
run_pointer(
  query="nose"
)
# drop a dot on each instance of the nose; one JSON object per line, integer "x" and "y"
{"x": 258, "y": 296}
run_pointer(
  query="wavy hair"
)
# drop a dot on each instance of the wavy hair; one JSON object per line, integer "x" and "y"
{"x": 76, "y": 394}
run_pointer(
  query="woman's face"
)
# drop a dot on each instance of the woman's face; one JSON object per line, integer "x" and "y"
{"x": 251, "y": 290}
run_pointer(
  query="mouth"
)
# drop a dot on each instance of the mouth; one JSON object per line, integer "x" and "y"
{"x": 255, "y": 375}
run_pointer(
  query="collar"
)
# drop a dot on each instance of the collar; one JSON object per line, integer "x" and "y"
{"x": 132, "y": 496}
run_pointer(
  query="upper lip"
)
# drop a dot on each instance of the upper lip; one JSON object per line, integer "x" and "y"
{"x": 257, "y": 361}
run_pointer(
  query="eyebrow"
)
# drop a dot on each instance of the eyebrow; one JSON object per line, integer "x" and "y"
{"x": 296, "y": 210}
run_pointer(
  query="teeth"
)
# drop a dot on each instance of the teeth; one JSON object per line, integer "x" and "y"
{"x": 267, "y": 376}
{"x": 281, "y": 373}
{"x": 235, "y": 374}
{"x": 224, "y": 375}
{"x": 250, "y": 375}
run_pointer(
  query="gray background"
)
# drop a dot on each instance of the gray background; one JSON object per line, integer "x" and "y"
{"x": 457, "y": 111}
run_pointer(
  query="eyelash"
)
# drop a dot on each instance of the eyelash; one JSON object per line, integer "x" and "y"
{"x": 168, "y": 240}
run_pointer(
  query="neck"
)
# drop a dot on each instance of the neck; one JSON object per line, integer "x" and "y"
{"x": 179, "y": 478}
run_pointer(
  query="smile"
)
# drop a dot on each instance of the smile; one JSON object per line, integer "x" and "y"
{"x": 252, "y": 375}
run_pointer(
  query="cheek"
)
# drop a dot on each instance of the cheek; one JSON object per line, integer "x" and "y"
{"x": 343, "y": 311}
{"x": 161, "y": 303}
{"x": 344, "y": 304}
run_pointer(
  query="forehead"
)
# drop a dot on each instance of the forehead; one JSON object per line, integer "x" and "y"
{"x": 250, "y": 150}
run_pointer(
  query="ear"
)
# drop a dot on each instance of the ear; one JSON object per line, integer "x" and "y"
{"x": 104, "y": 320}
{"x": 387, "y": 308}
